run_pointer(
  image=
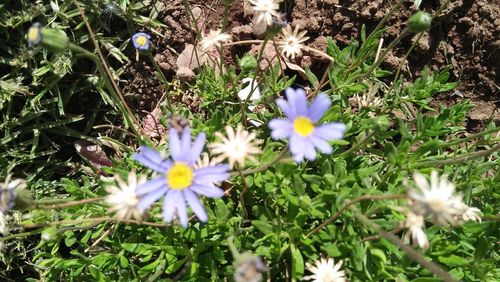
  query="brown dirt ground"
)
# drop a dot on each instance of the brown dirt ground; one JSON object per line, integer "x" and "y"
{"x": 464, "y": 38}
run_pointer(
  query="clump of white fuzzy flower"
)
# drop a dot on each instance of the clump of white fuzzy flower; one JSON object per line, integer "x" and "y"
{"x": 123, "y": 199}
{"x": 438, "y": 201}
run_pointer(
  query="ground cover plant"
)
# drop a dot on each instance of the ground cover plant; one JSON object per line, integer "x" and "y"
{"x": 147, "y": 141}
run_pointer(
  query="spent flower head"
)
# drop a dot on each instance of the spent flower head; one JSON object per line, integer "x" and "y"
{"x": 265, "y": 11}
{"x": 213, "y": 40}
{"x": 180, "y": 181}
{"x": 291, "y": 42}
{"x": 34, "y": 35}
{"x": 141, "y": 41}
{"x": 325, "y": 270}
{"x": 415, "y": 223}
{"x": 237, "y": 146}
{"x": 436, "y": 199}
{"x": 122, "y": 199}
{"x": 301, "y": 126}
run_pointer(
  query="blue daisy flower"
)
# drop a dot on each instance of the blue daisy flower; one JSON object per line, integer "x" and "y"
{"x": 180, "y": 181}
{"x": 141, "y": 41}
{"x": 300, "y": 125}
{"x": 34, "y": 35}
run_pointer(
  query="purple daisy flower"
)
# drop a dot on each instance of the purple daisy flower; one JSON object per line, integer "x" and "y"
{"x": 300, "y": 125}
{"x": 141, "y": 41}
{"x": 180, "y": 181}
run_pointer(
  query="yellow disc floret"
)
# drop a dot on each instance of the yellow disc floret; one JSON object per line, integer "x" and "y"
{"x": 179, "y": 176}
{"x": 141, "y": 41}
{"x": 303, "y": 126}
{"x": 33, "y": 34}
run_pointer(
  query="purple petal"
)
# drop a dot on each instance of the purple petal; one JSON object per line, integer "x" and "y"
{"x": 196, "y": 205}
{"x": 285, "y": 108}
{"x": 175, "y": 145}
{"x": 172, "y": 197}
{"x": 330, "y": 131}
{"x": 150, "y": 198}
{"x": 197, "y": 148}
{"x": 208, "y": 191}
{"x": 318, "y": 107}
{"x": 281, "y": 128}
{"x": 211, "y": 178}
{"x": 297, "y": 100}
{"x": 185, "y": 145}
{"x": 151, "y": 185}
{"x": 214, "y": 169}
{"x": 322, "y": 145}
{"x": 309, "y": 151}
{"x": 151, "y": 159}
{"x": 182, "y": 210}
{"x": 297, "y": 147}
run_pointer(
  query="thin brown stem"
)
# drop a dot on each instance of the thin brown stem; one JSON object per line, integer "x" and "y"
{"x": 265, "y": 166}
{"x": 459, "y": 159}
{"x": 353, "y": 202}
{"x": 416, "y": 256}
{"x": 68, "y": 204}
{"x": 243, "y": 192}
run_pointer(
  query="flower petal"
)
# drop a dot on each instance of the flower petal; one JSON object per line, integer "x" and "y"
{"x": 151, "y": 159}
{"x": 197, "y": 148}
{"x": 297, "y": 147}
{"x": 151, "y": 185}
{"x": 297, "y": 100}
{"x": 323, "y": 146}
{"x": 208, "y": 191}
{"x": 309, "y": 151}
{"x": 330, "y": 131}
{"x": 211, "y": 170}
{"x": 281, "y": 128}
{"x": 150, "y": 198}
{"x": 172, "y": 197}
{"x": 175, "y": 145}
{"x": 185, "y": 145}
{"x": 195, "y": 205}
{"x": 318, "y": 107}
{"x": 286, "y": 108}
{"x": 182, "y": 210}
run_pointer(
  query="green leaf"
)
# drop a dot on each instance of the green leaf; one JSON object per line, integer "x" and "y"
{"x": 453, "y": 260}
{"x": 297, "y": 262}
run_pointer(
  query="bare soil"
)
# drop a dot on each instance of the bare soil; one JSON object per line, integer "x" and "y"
{"x": 465, "y": 38}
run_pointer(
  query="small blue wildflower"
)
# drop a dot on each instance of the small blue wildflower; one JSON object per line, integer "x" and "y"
{"x": 34, "y": 35}
{"x": 300, "y": 125}
{"x": 180, "y": 181}
{"x": 141, "y": 41}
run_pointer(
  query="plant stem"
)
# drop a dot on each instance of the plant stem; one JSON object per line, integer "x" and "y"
{"x": 43, "y": 206}
{"x": 163, "y": 80}
{"x": 353, "y": 202}
{"x": 459, "y": 159}
{"x": 243, "y": 192}
{"x": 358, "y": 145}
{"x": 416, "y": 256}
{"x": 267, "y": 165}
{"x": 93, "y": 219}
{"x": 106, "y": 73}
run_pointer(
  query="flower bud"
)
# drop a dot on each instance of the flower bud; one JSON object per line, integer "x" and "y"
{"x": 248, "y": 63}
{"x": 54, "y": 39}
{"x": 419, "y": 22}
{"x": 49, "y": 234}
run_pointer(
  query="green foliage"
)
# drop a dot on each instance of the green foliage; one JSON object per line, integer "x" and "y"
{"x": 48, "y": 101}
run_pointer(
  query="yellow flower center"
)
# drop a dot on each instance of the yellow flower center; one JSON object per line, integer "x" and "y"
{"x": 303, "y": 126}
{"x": 179, "y": 176}
{"x": 33, "y": 34}
{"x": 141, "y": 40}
